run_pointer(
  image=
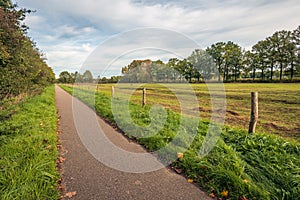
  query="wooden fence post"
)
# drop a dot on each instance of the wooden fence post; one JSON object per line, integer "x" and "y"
{"x": 112, "y": 91}
{"x": 144, "y": 97}
{"x": 254, "y": 112}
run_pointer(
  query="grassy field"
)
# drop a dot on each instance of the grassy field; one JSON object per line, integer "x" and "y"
{"x": 279, "y": 104}
{"x": 240, "y": 166}
{"x": 28, "y": 149}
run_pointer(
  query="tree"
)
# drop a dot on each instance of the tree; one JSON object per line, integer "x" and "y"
{"x": 175, "y": 73}
{"x": 137, "y": 71}
{"x": 293, "y": 50}
{"x": 23, "y": 68}
{"x": 296, "y": 37}
{"x": 251, "y": 62}
{"x": 187, "y": 69}
{"x": 65, "y": 77}
{"x": 77, "y": 77}
{"x": 233, "y": 59}
{"x": 281, "y": 43}
{"x": 87, "y": 77}
{"x": 217, "y": 51}
{"x": 271, "y": 55}
{"x": 261, "y": 50}
{"x": 203, "y": 63}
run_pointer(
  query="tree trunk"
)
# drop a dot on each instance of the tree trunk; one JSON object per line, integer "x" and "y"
{"x": 292, "y": 70}
{"x": 281, "y": 67}
{"x": 235, "y": 73}
{"x": 262, "y": 74}
{"x": 272, "y": 66}
{"x": 224, "y": 73}
{"x": 227, "y": 71}
{"x": 253, "y": 75}
{"x": 219, "y": 75}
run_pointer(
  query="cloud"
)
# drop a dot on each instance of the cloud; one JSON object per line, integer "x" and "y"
{"x": 67, "y": 28}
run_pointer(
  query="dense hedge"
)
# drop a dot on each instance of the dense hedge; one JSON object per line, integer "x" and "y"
{"x": 22, "y": 67}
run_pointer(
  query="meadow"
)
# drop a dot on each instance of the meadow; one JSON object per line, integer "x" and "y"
{"x": 240, "y": 166}
{"x": 279, "y": 104}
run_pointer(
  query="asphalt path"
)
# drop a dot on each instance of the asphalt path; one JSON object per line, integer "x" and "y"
{"x": 87, "y": 177}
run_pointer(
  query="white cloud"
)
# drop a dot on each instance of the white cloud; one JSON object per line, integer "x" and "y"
{"x": 87, "y": 47}
{"x": 67, "y": 30}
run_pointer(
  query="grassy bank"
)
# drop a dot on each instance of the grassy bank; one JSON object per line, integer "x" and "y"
{"x": 28, "y": 149}
{"x": 241, "y": 166}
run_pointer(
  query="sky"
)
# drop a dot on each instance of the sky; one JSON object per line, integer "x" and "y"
{"x": 103, "y": 36}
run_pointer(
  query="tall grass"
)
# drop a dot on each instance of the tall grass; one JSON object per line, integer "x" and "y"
{"x": 28, "y": 150}
{"x": 256, "y": 166}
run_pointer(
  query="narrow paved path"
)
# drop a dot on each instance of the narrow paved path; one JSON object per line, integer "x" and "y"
{"x": 91, "y": 179}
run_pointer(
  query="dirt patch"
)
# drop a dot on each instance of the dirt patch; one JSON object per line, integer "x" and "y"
{"x": 201, "y": 109}
{"x": 284, "y": 101}
{"x": 273, "y": 125}
{"x": 232, "y": 113}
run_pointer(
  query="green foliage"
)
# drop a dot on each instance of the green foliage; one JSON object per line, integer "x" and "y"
{"x": 256, "y": 166}
{"x": 28, "y": 150}
{"x": 65, "y": 77}
{"x": 22, "y": 68}
{"x": 87, "y": 77}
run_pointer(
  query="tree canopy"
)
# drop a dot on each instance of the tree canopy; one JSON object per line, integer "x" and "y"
{"x": 22, "y": 67}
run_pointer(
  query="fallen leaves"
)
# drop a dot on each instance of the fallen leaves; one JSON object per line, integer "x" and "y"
{"x": 137, "y": 182}
{"x": 178, "y": 171}
{"x": 179, "y": 155}
{"x": 224, "y": 193}
{"x": 48, "y": 147}
{"x": 246, "y": 181}
{"x": 242, "y": 198}
{"x": 61, "y": 159}
{"x": 70, "y": 194}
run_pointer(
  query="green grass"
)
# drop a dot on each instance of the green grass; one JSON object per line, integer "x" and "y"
{"x": 255, "y": 166}
{"x": 28, "y": 150}
{"x": 279, "y": 104}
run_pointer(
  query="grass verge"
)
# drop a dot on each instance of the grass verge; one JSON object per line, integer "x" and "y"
{"x": 241, "y": 166}
{"x": 28, "y": 150}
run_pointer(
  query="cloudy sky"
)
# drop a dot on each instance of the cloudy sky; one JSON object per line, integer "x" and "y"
{"x": 109, "y": 34}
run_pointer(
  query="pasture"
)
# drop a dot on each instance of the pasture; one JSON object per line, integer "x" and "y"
{"x": 279, "y": 104}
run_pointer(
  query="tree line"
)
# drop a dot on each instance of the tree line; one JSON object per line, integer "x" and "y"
{"x": 67, "y": 77}
{"x": 276, "y": 57}
{"x": 86, "y": 77}
{"x": 22, "y": 66}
